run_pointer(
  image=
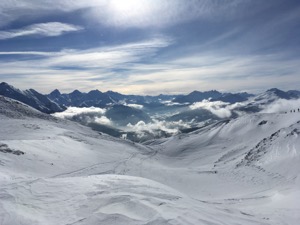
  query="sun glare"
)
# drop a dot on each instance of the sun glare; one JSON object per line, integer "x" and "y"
{"x": 125, "y": 5}
{"x": 130, "y": 8}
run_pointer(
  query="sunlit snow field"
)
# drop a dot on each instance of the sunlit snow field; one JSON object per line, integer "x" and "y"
{"x": 239, "y": 171}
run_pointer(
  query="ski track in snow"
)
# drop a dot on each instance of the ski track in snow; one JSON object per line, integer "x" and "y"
{"x": 240, "y": 171}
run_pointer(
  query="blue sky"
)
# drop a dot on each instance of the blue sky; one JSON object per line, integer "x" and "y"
{"x": 150, "y": 46}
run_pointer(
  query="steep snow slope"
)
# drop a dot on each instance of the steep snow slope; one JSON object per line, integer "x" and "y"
{"x": 264, "y": 100}
{"x": 57, "y": 172}
{"x": 251, "y": 163}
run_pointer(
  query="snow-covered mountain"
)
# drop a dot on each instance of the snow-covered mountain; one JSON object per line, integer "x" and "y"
{"x": 263, "y": 100}
{"x": 97, "y": 98}
{"x": 239, "y": 171}
{"x": 76, "y": 98}
{"x": 274, "y": 94}
{"x": 57, "y": 102}
{"x": 198, "y": 96}
{"x": 31, "y": 97}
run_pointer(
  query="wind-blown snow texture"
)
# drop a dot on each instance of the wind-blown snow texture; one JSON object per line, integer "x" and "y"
{"x": 238, "y": 171}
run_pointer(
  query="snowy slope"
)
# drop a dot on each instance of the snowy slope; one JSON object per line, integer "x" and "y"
{"x": 251, "y": 163}
{"x": 238, "y": 171}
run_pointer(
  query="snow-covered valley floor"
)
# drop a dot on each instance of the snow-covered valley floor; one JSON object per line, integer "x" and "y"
{"x": 241, "y": 171}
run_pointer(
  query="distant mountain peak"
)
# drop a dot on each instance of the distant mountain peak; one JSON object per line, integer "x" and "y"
{"x": 30, "y": 97}
{"x": 195, "y": 92}
{"x": 55, "y": 92}
{"x": 279, "y": 93}
{"x": 5, "y": 87}
{"x": 274, "y": 90}
{"x": 4, "y": 84}
{"x": 113, "y": 92}
{"x": 75, "y": 92}
{"x": 95, "y": 91}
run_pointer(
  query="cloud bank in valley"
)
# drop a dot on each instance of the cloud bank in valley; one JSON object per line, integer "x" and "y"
{"x": 142, "y": 130}
{"x": 218, "y": 108}
{"x": 160, "y": 127}
{"x": 282, "y": 105}
{"x": 157, "y": 126}
{"x": 85, "y": 115}
{"x": 74, "y": 111}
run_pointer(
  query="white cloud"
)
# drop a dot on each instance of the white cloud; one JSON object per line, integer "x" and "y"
{"x": 218, "y": 108}
{"x": 73, "y": 111}
{"x": 282, "y": 105}
{"x": 85, "y": 115}
{"x": 108, "y": 57}
{"x": 105, "y": 57}
{"x": 30, "y": 53}
{"x": 157, "y": 126}
{"x": 96, "y": 65}
{"x": 41, "y": 29}
{"x": 97, "y": 115}
{"x": 170, "y": 103}
{"x": 136, "y": 106}
{"x": 103, "y": 120}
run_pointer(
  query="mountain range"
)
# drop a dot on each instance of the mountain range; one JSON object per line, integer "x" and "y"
{"x": 32, "y": 98}
{"x": 57, "y": 102}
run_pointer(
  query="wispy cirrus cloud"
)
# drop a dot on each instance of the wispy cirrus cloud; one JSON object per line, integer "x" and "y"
{"x": 80, "y": 67}
{"x": 36, "y": 53}
{"x": 50, "y": 29}
{"x": 129, "y": 13}
{"x": 109, "y": 57}
{"x": 103, "y": 68}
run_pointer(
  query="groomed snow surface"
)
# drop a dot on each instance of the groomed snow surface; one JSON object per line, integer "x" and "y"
{"x": 240, "y": 171}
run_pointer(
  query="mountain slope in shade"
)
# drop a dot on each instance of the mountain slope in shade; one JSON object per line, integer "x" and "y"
{"x": 102, "y": 99}
{"x": 261, "y": 101}
{"x": 123, "y": 115}
{"x": 31, "y": 97}
{"x": 76, "y": 98}
{"x": 197, "y": 115}
{"x": 233, "y": 98}
{"x": 197, "y": 96}
{"x": 274, "y": 94}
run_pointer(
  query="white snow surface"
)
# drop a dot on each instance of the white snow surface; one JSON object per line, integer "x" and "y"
{"x": 239, "y": 171}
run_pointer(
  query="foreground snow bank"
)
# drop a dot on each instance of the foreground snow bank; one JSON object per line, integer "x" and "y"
{"x": 105, "y": 199}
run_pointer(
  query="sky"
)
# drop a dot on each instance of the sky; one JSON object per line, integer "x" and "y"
{"x": 150, "y": 46}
